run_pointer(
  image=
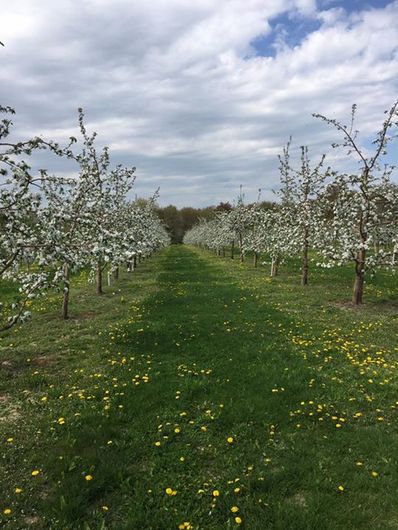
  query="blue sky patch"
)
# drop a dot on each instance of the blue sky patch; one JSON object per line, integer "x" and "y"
{"x": 292, "y": 28}
{"x": 353, "y": 5}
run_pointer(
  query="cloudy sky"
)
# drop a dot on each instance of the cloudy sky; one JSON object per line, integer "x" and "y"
{"x": 199, "y": 95}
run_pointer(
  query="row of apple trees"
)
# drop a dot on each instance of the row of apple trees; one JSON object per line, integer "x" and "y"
{"x": 51, "y": 227}
{"x": 339, "y": 217}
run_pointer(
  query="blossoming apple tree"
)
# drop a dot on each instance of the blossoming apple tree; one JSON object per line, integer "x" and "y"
{"x": 52, "y": 227}
{"x": 300, "y": 191}
{"x": 365, "y": 209}
{"x": 89, "y": 220}
{"x": 21, "y": 235}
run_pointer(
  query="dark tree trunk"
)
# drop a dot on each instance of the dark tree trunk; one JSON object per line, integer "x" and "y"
{"x": 394, "y": 257}
{"x": 232, "y": 249}
{"x": 274, "y": 267}
{"x": 305, "y": 264}
{"x": 242, "y": 256}
{"x": 357, "y": 294}
{"x": 65, "y": 300}
{"x": 99, "y": 278}
{"x": 223, "y": 252}
{"x": 255, "y": 257}
{"x": 135, "y": 262}
{"x": 116, "y": 273}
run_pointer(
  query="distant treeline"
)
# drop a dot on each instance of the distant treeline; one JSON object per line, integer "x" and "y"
{"x": 178, "y": 221}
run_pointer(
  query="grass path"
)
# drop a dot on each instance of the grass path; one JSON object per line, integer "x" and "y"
{"x": 202, "y": 405}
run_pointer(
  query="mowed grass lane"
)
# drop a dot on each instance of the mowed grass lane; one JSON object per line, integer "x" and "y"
{"x": 205, "y": 406}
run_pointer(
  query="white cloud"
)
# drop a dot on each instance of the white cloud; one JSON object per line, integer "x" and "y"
{"x": 176, "y": 89}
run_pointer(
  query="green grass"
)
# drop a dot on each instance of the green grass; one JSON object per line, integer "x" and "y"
{"x": 188, "y": 351}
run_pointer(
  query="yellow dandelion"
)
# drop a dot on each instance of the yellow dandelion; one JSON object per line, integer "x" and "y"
{"x": 7, "y": 511}
{"x": 35, "y": 472}
{"x": 158, "y": 444}
{"x": 374, "y": 474}
{"x": 230, "y": 440}
{"x": 238, "y": 520}
{"x": 341, "y": 488}
{"x": 88, "y": 478}
{"x": 105, "y": 508}
{"x": 18, "y": 490}
{"x": 216, "y": 493}
{"x": 234, "y": 509}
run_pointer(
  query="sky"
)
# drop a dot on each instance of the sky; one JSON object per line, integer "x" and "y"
{"x": 202, "y": 95}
